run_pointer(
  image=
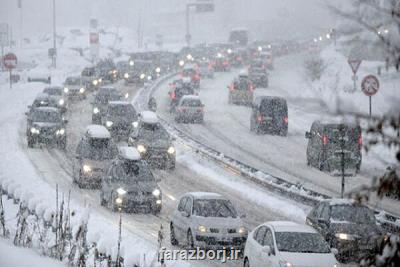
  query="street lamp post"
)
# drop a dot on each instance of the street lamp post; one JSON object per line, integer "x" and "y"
{"x": 54, "y": 57}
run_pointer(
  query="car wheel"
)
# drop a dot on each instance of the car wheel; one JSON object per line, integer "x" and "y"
{"x": 30, "y": 142}
{"x": 171, "y": 165}
{"x": 246, "y": 262}
{"x": 189, "y": 239}
{"x": 63, "y": 144}
{"x": 103, "y": 202}
{"x": 79, "y": 181}
{"x": 172, "y": 236}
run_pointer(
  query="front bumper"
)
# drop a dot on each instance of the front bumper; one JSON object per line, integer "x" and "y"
{"x": 138, "y": 201}
{"x": 209, "y": 241}
{"x": 355, "y": 249}
{"x": 92, "y": 178}
{"x": 47, "y": 138}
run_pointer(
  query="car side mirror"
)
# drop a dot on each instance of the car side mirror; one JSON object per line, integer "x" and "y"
{"x": 334, "y": 251}
{"x": 308, "y": 135}
{"x": 65, "y": 120}
{"x": 185, "y": 214}
{"x": 322, "y": 221}
{"x": 267, "y": 250}
{"x": 78, "y": 157}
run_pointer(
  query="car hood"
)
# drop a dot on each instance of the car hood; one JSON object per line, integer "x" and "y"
{"x": 361, "y": 230}
{"x": 139, "y": 186}
{"x": 155, "y": 143}
{"x": 309, "y": 259}
{"x": 98, "y": 164}
{"x": 46, "y": 124}
{"x": 74, "y": 87}
{"x": 220, "y": 223}
{"x": 120, "y": 120}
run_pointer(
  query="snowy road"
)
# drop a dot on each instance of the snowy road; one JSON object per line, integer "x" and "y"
{"x": 226, "y": 129}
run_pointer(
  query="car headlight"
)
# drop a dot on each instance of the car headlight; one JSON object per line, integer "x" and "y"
{"x": 86, "y": 168}
{"x": 126, "y": 75}
{"x": 149, "y": 78}
{"x": 343, "y": 236}
{"x": 242, "y": 230}
{"x": 156, "y": 192}
{"x": 100, "y": 80}
{"x": 109, "y": 123}
{"x": 158, "y": 69}
{"x": 35, "y": 131}
{"x": 130, "y": 140}
{"x": 142, "y": 76}
{"x": 135, "y": 124}
{"x": 66, "y": 89}
{"x": 95, "y": 82}
{"x": 202, "y": 229}
{"x": 118, "y": 200}
{"x": 121, "y": 191}
{"x": 181, "y": 63}
{"x": 60, "y": 132}
{"x": 126, "y": 95}
{"x": 158, "y": 202}
{"x": 286, "y": 264}
{"x": 171, "y": 150}
{"x": 96, "y": 110}
{"x": 141, "y": 149}
{"x": 335, "y": 265}
{"x": 81, "y": 90}
{"x": 61, "y": 102}
{"x": 131, "y": 63}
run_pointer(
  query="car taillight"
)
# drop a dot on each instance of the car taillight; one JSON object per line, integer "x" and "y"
{"x": 200, "y": 110}
{"x": 173, "y": 95}
{"x": 286, "y": 120}
{"x": 251, "y": 88}
{"x": 225, "y": 63}
{"x": 360, "y": 142}
{"x": 196, "y": 77}
{"x": 325, "y": 139}
{"x": 181, "y": 109}
{"x": 260, "y": 118}
{"x": 238, "y": 58}
{"x": 231, "y": 88}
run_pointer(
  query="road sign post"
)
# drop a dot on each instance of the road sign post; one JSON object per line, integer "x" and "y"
{"x": 354, "y": 65}
{"x": 10, "y": 62}
{"x": 370, "y": 86}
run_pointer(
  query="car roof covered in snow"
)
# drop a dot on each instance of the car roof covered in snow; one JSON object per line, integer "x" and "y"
{"x": 186, "y": 80}
{"x": 204, "y": 195}
{"x": 47, "y": 109}
{"x": 341, "y": 202}
{"x": 191, "y": 97}
{"x": 53, "y": 88}
{"x": 106, "y": 89}
{"x": 129, "y": 153}
{"x": 287, "y": 226}
{"x": 189, "y": 67}
{"x": 148, "y": 117}
{"x": 41, "y": 96}
{"x": 260, "y": 98}
{"x": 117, "y": 103}
{"x": 97, "y": 131}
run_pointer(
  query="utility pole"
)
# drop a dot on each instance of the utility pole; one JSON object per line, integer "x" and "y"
{"x": 20, "y": 23}
{"x": 342, "y": 133}
{"x": 54, "y": 57}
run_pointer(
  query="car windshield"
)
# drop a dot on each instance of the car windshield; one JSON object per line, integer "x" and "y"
{"x": 52, "y": 91}
{"x": 130, "y": 170}
{"x": 126, "y": 111}
{"x": 189, "y": 72}
{"x": 298, "y": 242}
{"x": 88, "y": 72}
{"x": 242, "y": 84}
{"x": 46, "y": 116}
{"x": 151, "y": 131}
{"x": 191, "y": 103}
{"x": 352, "y": 214}
{"x": 99, "y": 149}
{"x": 73, "y": 81}
{"x": 104, "y": 98}
{"x": 273, "y": 108}
{"x": 214, "y": 208}
{"x": 184, "y": 90}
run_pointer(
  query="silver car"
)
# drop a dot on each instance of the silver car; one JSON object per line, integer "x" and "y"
{"x": 189, "y": 109}
{"x": 94, "y": 154}
{"x": 74, "y": 88}
{"x": 208, "y": 221}
{"x": 129, "y": 184}
{"x": 119, "y": 118}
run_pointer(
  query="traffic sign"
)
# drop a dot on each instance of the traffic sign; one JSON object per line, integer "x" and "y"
{"x": 94, "y": 38}
{"x": 354, "y": 64}
{"x": 10, "y": 61}
{"x": 370, "y": 85}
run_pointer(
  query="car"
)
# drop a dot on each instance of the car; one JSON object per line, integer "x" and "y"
{"x": 259, "y": 77}
{"x": 269, "y": 114}
{"x": 178, "y": 90}
{"x": 190, "y": 109}
{"x": 122, "y": 68}
{"x": 268, "y": 59}
{"x": 119, "y": 118}
{"x": 129, "y": 184}
{"x": 207, "y": 221}
{"x": 206, "y": 70}
{"x": 46, "y": 125}
{"x": 57, "y": 93}
{"x": 41, "y": 100}
{"x": 107, "y": 71}
{"x": 104, "y": 95}
{"x": 330, "y": 142}
{"x": 94, "y": 153}
{"x": 241, "y": 90}
{"x": 346, "y": 225}
{"x": 90, "y": 78}
{"x": 221, "y": 63}
{"x": 139, "y": 72}
{"x": 153, "y": 142}
{"x": 287, "y": 244}
{"x": 191, "y": 71}
{"x": 74, "y": 88}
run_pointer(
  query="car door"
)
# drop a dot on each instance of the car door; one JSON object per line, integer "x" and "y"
{"x": 324, "y": 220}
{"x": 177, "y": 220}
{"x": 271, "y": 259}
{"x": 188, "y": 221}
{"x": 257, "y": 245}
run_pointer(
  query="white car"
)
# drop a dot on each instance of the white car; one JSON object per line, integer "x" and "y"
{"x": 207, "y": 221}
{"x": 287, "y": 244}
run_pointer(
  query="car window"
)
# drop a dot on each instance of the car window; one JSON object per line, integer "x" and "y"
{"x": 191, "y": 103}
{"x": 214, "y": 208}
{"x": 152, "y": 131}
{"x": 46, "y": 116}
{"x": 352, "y": 214}
{"x": 325, "y": 212}
{"x": 132, "y": 171}
{"x": 318, "y": 210}
{"x": 188, "y": 206}
{"x": 268, "y": 239}
{"x": 299, "y": 242}
{"x": 260, "y": 234}
{"x": 182, "y": 203}
{"x": 98, "y": 149}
